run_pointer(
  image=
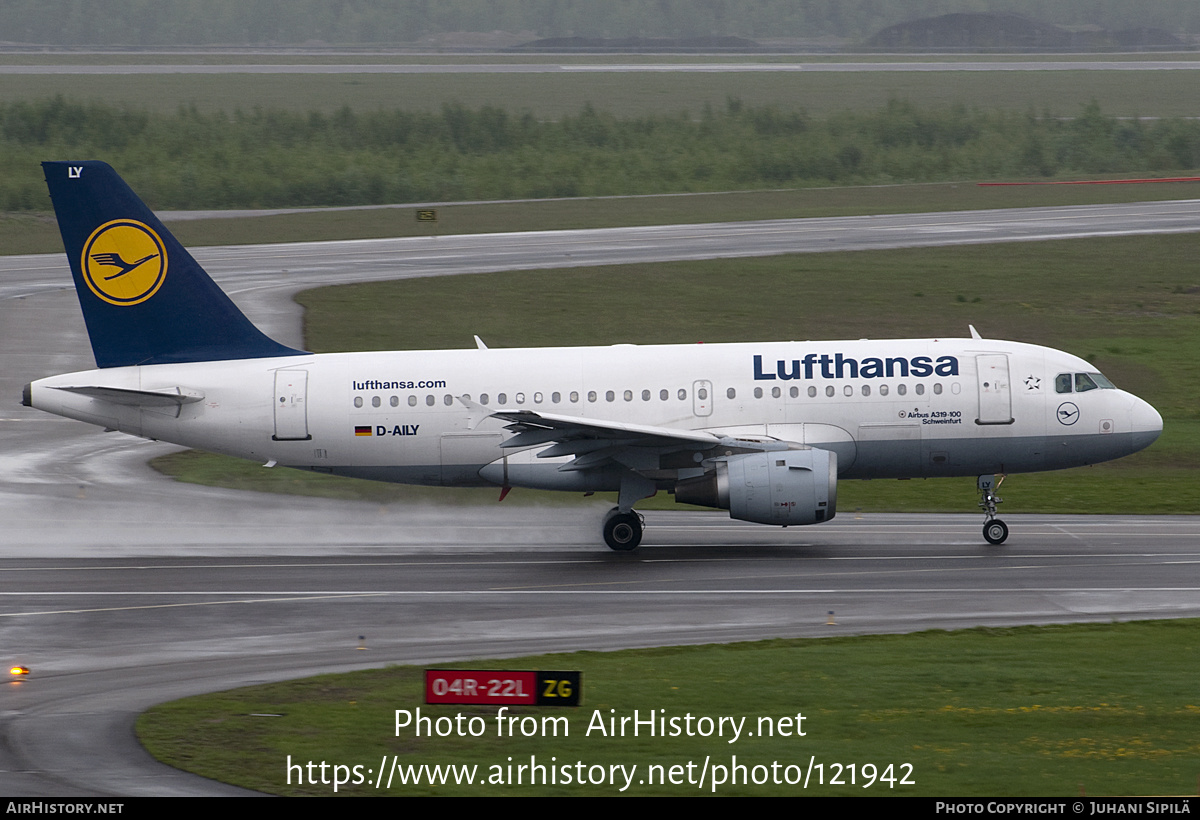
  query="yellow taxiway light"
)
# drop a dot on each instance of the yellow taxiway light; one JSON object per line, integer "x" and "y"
{"x": 19, "y": 671}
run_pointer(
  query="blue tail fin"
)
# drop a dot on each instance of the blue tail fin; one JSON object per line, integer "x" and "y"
{"x": 145, "y": 299}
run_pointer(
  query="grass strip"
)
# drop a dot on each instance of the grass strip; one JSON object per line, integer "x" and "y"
{"x": 38, "y": 232}
{"x": 1100, "y": 709}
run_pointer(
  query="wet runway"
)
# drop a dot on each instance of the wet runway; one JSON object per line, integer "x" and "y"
{"x": 234, "y": 589}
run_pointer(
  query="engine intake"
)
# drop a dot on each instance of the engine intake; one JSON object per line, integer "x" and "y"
{"x": 785, "y": 487}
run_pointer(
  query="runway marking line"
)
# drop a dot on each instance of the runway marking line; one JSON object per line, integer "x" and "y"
{"x": 293, "y": 597}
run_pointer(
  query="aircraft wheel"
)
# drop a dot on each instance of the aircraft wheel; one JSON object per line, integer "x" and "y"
{"x": 995, "y": 531}
{"x": 623, "y": 531}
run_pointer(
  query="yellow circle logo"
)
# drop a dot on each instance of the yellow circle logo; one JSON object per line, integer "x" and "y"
{"x": 124, "y": 262}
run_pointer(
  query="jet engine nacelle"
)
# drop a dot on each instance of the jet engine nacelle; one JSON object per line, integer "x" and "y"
{"x": 784, "y": 487}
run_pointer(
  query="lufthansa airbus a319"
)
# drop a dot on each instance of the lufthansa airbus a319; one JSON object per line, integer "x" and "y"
{"x": 763, "y": 430}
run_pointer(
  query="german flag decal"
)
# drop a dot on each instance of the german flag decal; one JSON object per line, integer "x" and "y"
{"x": 362, "y": 430}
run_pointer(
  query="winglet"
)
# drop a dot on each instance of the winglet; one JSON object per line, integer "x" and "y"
{"x": 144, "y": 298}
{"x": 974, "y": 332}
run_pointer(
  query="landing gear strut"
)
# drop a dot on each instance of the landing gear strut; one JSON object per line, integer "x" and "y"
{"x": 623, "y": 526}
{"x": 995, "y": 531}
{"x": 622, "y": 530}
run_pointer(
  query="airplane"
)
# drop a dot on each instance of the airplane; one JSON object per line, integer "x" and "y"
{"x": 763, "y": 430}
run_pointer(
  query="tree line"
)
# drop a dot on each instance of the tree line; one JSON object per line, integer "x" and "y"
{"x": 278, "y": 158}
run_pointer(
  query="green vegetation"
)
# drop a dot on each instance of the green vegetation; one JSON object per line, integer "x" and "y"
{"x": 277, "y": 158}
{"x": 553, "y": 96}
{"x": 1063, "y": 710}
{"x": 1141, "y": 330}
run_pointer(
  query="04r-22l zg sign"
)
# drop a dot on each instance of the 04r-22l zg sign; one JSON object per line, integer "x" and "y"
{"x": 508, "y": 687}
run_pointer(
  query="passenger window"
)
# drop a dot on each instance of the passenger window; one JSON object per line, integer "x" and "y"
{"x": 429, "y": 400}
{"x": 502, "y": 399}
{"x": 663, "y": 395}
{"x": 866, "y": 390}
{"x": 937, "y": 389}
{"x": 775, "y": 392}
{"x": 920, "y": 390}
{"x": 883, "y": 390}
{"x": 610, "y": 396}
{"x": 395, "y": 401}
{"x": 1062, "y": 383}
{"x": 483, "y": 398}
{"x": 519, "y": 398}
{"x": 358, "y": 401}
{"x": 556, "y": 397}
{"x": 537, "y": 398}
{"x": 412, "y": 400}
{"x": 375, "y": 402}
{"x": 812, "y": 392}
{"x": 574, "y": 396}
{"x": 448, "y": 400}
{"x": 682, "y": 395}
{"x": 591, "y": 395}
{"x": 628, "y": 395}
{"x": 794, "y": 392}
{"x": 645, "y": 395}
{"x": 829, "y": 391}
{"x": 702, "y": 394}
{"x": 901, "y": 389}
{"x": 758, "y": 392}
{"x": 1084, "y": 383}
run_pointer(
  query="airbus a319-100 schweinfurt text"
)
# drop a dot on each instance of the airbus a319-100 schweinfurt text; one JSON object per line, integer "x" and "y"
{"x": 764, "y": 430}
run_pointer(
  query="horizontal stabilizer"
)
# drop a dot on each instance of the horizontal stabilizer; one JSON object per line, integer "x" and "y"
{"x": 166, "y": 397}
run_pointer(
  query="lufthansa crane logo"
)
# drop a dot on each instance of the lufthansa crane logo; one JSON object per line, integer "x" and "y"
{"x": 124, "y": 262}
{"x": 1068, "y": 413}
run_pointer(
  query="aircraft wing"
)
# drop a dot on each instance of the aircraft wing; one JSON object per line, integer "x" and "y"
{"x": 594, "y": 442}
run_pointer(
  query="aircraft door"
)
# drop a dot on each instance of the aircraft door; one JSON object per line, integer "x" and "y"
{"x": 291, "y": 405}
{"x": 995, "y": 396}
{"x": 702, "y": 398}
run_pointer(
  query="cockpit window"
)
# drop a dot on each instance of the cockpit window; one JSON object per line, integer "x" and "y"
{"x": 1081, "y": 382}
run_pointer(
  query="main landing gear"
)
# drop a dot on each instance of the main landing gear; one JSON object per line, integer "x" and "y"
{"x": 995, "y": 531}
{"x": 622, "y": 530}
{"x": 623, "y": 526}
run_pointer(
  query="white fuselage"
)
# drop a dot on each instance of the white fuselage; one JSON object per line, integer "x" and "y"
{"x": 888, "y": 408}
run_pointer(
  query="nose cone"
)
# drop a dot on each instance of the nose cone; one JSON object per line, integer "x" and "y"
{"x": 1146, "y": 424}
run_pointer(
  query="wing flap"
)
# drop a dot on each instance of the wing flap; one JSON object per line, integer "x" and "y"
{"x": 534, "y": 427}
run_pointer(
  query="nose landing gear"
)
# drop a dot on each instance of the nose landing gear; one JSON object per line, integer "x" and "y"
{"x": 995, "y": 531}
